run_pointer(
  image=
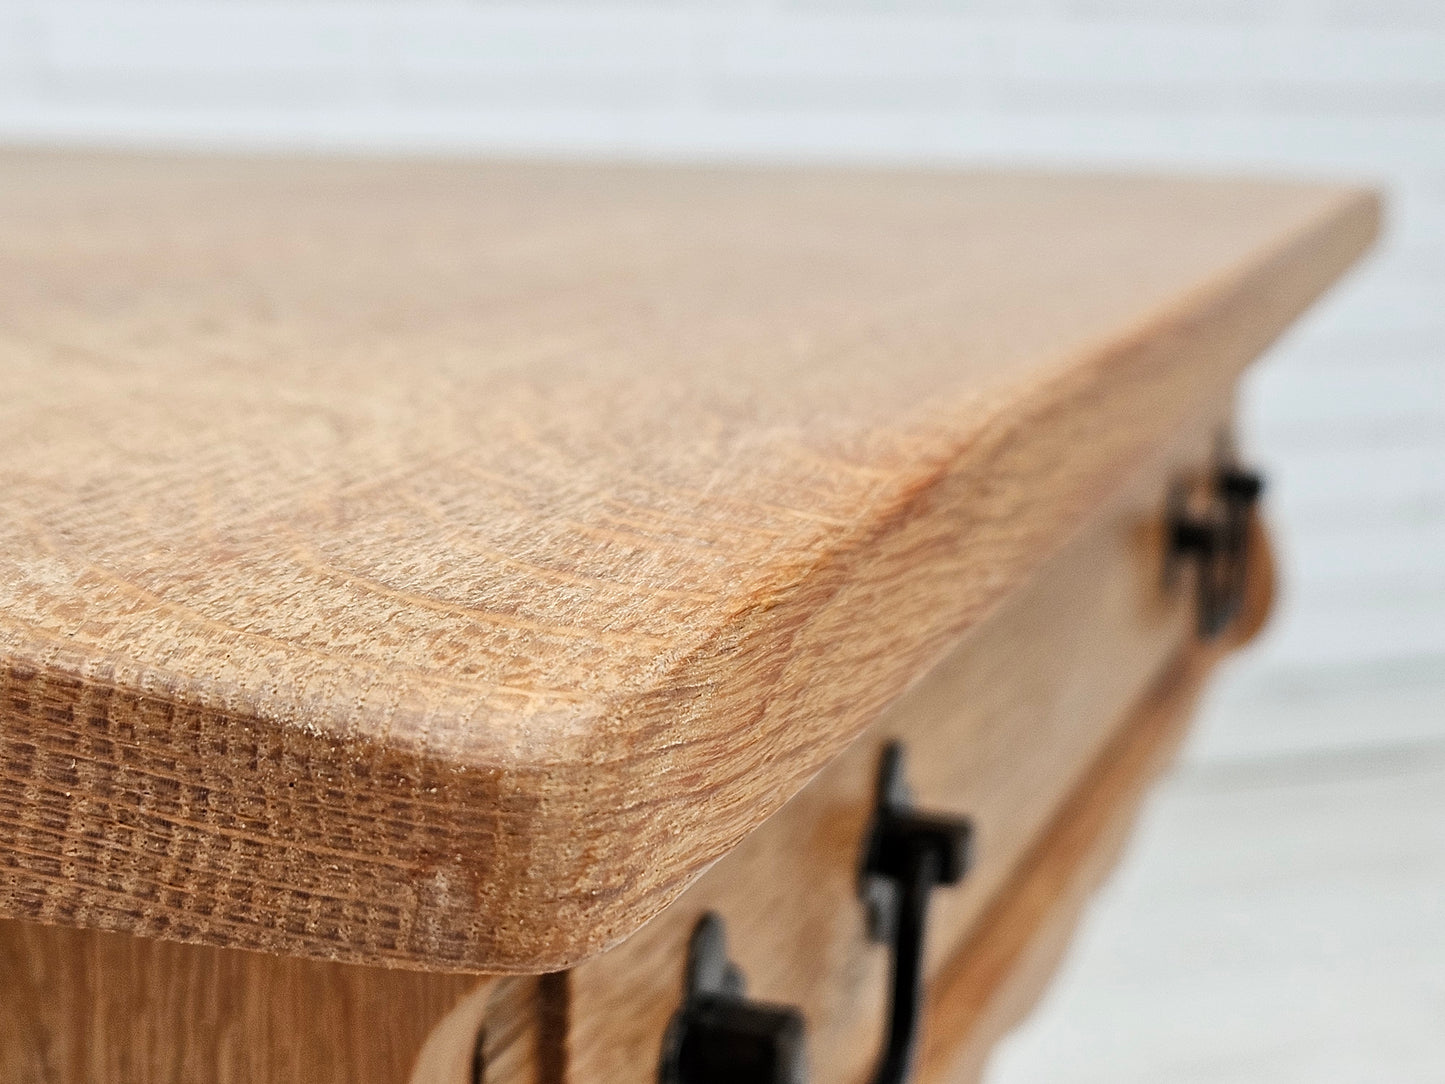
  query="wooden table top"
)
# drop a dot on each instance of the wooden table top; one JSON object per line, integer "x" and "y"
{"x": 440, "y": 564}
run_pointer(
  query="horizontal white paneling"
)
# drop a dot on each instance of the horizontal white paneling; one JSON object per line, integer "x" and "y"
{"x": 1237, "y": 62}
{"x": 1424, "y": 13}
{"x": 1257, "y": 714}
{"x": 153, "y": 50}
{"x": 1367, "y": 399}
{"x": 1322, "y": 634}
{"x": 704, "y": 78}
{"x": 1322, "y": 485}
{"x": 535, "y": 56}
{"x": 1063, "y": 134}
{"x": 840, "y": 60}
{"x": 1398, "y": 559}
{"x": 19, "y": 53}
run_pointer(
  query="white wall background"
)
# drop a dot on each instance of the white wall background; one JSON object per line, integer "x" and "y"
{"x": 1280, "y": 918}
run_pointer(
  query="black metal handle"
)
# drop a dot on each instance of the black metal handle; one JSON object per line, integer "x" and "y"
{"x": 719, "y": 1036}
{"x": 1218, "y": 540}
{"x": 908, "y": 854}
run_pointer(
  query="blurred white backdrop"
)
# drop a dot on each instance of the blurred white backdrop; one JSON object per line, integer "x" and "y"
{"x": 1279, "y": 917}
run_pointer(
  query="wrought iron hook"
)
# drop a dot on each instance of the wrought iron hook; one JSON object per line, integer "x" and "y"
{"x": 1219, "y": 543}
{"x": 908, "y": 855}
{"x": 719, "y": 1035}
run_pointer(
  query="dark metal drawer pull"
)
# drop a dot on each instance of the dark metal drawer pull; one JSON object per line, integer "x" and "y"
{"x": 1219, "y": 543}
{"x": 908, "y": 855}
{"x": 718, "y": 1036}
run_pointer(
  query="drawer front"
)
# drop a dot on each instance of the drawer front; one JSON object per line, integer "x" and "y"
{"x": 1004, "y": 731}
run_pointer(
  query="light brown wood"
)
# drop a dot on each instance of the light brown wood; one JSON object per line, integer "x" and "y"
{"x": 993, "y": 981}
{"x": 86, "y": 1007}
{"x": 1004, "y": 731}
{"x": 786, "y": 892}
{"x": 996, "y": 978}
{"x": 101, "y": 1008}
{"x": 444, "y": 564}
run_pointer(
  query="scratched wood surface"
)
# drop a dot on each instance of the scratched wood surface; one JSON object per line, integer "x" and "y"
{"x": 442, "y": 564}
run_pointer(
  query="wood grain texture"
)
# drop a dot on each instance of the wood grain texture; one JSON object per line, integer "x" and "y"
{"x": 1050, "y": 820}
{"x": 992, "y": 982}
{"x": 88, "y": 1007}
{"x": 1005, "y": 731}
{"x": 443, "y": 564}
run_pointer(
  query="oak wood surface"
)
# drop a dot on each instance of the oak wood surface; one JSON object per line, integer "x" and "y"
{"x": 103, "y": 1008}
{"x": 993, "y": 981}
{"x": 1004, "y": 730}
{"x": 89, "y": 1007}
{"x": 443, "y": 564}
{"x": 993, "y": 943}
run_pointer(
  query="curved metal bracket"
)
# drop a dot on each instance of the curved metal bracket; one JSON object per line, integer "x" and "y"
{"x": 907, "y": 855}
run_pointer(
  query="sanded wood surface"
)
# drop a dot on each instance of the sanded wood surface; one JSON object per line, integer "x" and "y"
{"x": 1095, "y": 666}
{"x": 102, "y": 1008}
{"x": 995, "y": 978}
{"x": 993, "y": 981}
{"x": 1002, "y": 731}
{"x": 88, "y": 1007}
{"x": 443, "y": 564}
